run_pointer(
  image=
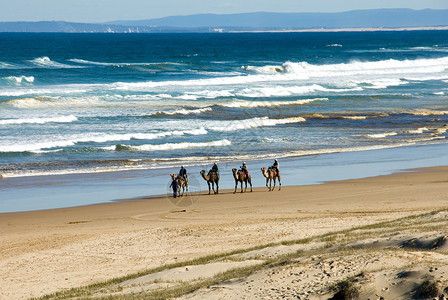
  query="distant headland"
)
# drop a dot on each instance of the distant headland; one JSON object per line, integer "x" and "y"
{"x": 356, "y": 20}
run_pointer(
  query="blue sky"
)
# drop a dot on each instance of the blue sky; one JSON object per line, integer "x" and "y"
{"x": 108, "y": 10}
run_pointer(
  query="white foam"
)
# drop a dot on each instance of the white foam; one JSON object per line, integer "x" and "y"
{"x": 72, "y": 140}
{"x": 266, "y": 92}
{"x": 35, "y": 147}
{"x": 170, "y": 146}
{"x": 252, "y": 104}
{"x": 102, "y": 138}
{"x": 418, "y": 130}
{"x": 61, "y": 119}
{"x": 355, "y": 117}
{"x": 4, "y": 65}
{"x": 428, "y": 112}
{"x": 18, "y": 80}
{"x": 384, "y": 83}
{"x": 255, "y": 122}
{"x": 441, "y": 130}
{"x": 46, "y": 62}
{"x": 381, "y": 135}
{"x": 389, "y": 66}
{"x": 265, "y": 69}
{"x": 87, "y": 62}
{"x": 186, "y": 111}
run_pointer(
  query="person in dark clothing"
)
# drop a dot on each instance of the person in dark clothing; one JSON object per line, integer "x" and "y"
{"x": 175, "y": 186}
{"x": 215, "y": 169}
{"x": 183, "y": 173}
{"x": 275, "y": 166}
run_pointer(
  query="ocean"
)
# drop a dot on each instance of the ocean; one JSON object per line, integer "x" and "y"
{"x": 78, "y": 104}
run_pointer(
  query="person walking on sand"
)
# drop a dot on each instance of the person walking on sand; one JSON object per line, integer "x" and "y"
{"x": 175, "y": 186}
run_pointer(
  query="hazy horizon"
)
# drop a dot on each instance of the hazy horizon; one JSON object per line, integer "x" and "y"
{"x": 87, "y": 11}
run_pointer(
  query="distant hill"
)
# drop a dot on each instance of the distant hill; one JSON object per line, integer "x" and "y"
{"x": 391, "y": 18}
{"x": 60, "y": 26}
{"x": 378, "y": 18}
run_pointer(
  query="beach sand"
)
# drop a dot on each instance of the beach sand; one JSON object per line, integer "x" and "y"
{"x": 43, "y": 252}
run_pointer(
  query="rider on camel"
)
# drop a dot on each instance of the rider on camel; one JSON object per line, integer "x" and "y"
{"x": 275, "y": 166}
{"x": 244, "y": 169}
{"x": 215, "y": 169}
{"x": 183, "y": 173}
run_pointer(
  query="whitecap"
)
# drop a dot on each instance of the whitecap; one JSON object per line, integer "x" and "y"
{"x": 35, "y": 147}
{"x": 265, "y": 69}
{"x": 60, "y": 119}
{"x": 252, "y": 104}
{"x": 381, "y": 135}
{"x": 46, "y": 62}
{"x": 418, "y": 130}
{"x": 17, "y": 80}
{"x": 169, "y": 146}
{"x": 185, "y": 111}
{"x": 255, "y": 122}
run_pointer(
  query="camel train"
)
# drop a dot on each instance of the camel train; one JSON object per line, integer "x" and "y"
{"x": 272, "y": 174}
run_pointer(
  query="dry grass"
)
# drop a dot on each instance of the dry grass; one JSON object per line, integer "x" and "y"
{"x": 335, "y": 245}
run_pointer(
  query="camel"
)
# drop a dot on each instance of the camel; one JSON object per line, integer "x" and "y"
{"x": 241, "y": 177}
{"x": 212, "y": 178}
{"x": 270, "y": 175}
{"x": 183, "y": 184}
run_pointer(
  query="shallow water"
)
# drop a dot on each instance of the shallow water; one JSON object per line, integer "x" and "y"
{"x": 85, "y": 106}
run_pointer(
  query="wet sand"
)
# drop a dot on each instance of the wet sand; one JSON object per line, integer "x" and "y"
{"x": 51, "y": 250}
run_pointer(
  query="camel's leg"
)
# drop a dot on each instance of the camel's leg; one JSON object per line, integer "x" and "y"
{"x": 217, "y": 187}
{"x": 236, "y": 185}
{"x": 267, "y": 180}
{"x": 274, "y": 183}
{"x": 279, "y": 183}
{"x": 245, "y": 188}
{"x": 208, "y": 187}
{"x": 250, "y": 182}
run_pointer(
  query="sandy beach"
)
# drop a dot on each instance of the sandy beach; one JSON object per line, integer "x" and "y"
{"x": 48, "y": 251}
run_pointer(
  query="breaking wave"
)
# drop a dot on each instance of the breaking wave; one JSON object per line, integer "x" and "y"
{"x": 184, "y": 111}
{"x": 47, "y": 63}
{"x": 255, "y": 122}
{"x": 93, "y": 138}
{"x": 169, "y": 146}
{"x": 390, "y": 66}
{"x": 252, "y": 104}
{"x": 16, "y": 80}
{"x": 381, "y": 135}
{"x": 62, "y": 119}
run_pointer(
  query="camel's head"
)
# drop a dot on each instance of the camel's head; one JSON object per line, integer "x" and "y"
{"x": 202, "y": 172}
{"x": 263, "y": 169}
{"x": 234, "y": 170}
{"x": 173, "y": 176}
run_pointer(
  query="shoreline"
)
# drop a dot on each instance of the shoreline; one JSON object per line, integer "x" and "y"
{"x": 364, "y": 29}
{"x": 129, "y": 236}
{"x": 44, "y": 192}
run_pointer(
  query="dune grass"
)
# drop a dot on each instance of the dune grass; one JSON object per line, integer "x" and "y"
{"x": 333, "y": 242}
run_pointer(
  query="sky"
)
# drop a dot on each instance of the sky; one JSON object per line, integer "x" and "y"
{"x": 109, "y": 10}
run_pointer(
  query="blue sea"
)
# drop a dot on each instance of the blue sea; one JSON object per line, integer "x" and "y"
{"x": 83, "y": 104}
